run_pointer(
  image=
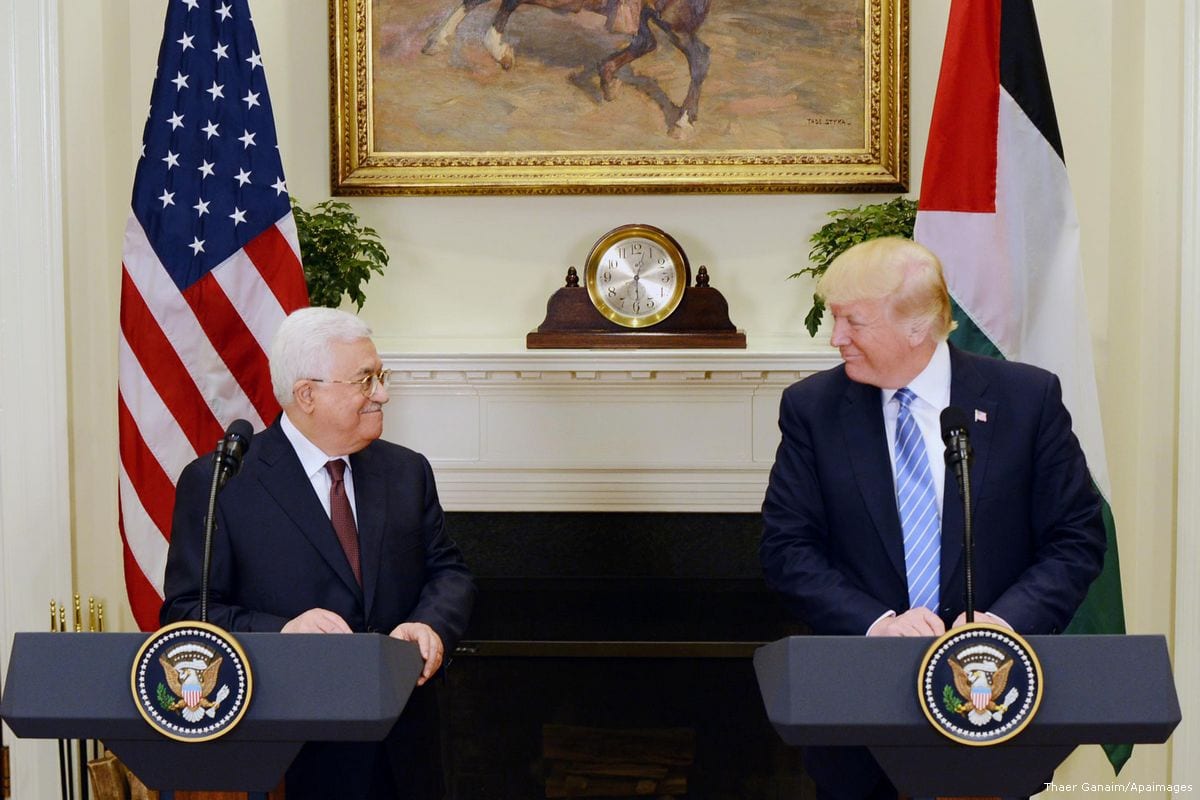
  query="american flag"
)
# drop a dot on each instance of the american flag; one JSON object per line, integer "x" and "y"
{"x": 210, "y": 268}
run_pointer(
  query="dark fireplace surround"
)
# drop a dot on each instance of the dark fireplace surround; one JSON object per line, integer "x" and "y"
{"x": 612, "y": 622}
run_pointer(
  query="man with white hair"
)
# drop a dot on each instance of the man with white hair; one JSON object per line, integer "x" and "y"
{"x": 328, "y": 529}
{"x": 862, "y": 522}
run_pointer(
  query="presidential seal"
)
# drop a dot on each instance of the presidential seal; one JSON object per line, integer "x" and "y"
{"x": 191, "y": 681}
{"x": 980, "y": 685}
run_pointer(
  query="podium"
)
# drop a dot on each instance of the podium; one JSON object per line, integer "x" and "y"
{"x": 307, "y": 687}
{"x": 858, "y": 690}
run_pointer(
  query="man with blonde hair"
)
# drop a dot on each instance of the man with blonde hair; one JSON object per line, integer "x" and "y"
{"x": 862, "y": 522}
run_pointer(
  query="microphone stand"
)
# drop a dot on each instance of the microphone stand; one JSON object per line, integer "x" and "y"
{"x": 958, "y": 455}
{"x": 209, "y": 524}
{"x": 227, "y": 460}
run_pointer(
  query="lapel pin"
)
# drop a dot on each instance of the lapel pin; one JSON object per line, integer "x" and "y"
{"x": 980, "y": 416}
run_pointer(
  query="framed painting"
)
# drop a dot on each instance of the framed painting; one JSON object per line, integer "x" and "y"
{"x": 590, "y": 96}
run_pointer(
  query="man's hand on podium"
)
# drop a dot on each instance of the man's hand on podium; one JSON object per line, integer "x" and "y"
{"x": 980, "y": 616}
{"x": 429, "y": 643}
{"x": 918, "y": 621}
{"x": 316, "y": 620}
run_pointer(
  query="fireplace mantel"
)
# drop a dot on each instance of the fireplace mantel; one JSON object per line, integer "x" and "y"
{"x": 563, "y": 430}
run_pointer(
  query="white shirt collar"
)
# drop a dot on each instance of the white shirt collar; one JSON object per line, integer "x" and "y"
{"x": 312, "y": 458}
{"x": 933, "y": 383}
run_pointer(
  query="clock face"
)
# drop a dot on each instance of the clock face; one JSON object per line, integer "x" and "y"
{"x": 636, "y": 275}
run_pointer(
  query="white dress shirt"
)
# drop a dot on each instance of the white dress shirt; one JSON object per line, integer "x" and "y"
{"x": 313, "y": 459}
{"x": 932, "y": 390}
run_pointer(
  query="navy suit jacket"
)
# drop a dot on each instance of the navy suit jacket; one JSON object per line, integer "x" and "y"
{"x": 832, "y": 545}
{"x": 275, "y": 554}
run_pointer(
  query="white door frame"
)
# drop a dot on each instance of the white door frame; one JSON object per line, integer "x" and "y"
{"x": 35, "y": 492}
{"x": 1185, "y": 769}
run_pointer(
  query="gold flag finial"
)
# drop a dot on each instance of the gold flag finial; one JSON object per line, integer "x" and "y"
{"x": 91, "y": 614}
{"x": 100, "y": 616}
{"x": 78, "y": 616}
{"x": 53, "y": 616}
{"x": 62, "y": 618}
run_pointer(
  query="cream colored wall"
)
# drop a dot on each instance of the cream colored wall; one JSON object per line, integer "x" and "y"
{"x": 97, "y": 159}
{"x": 1124, "y": 153}
{"x": 479, "y": 269}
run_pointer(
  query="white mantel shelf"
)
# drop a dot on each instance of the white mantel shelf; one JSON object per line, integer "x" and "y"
{"x": 593, "y": 430}
{"x": 612, "y": 361}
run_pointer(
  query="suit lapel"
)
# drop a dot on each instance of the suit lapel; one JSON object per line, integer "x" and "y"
{"x": 282, "y": 475}
{"x": 968, "y": 391}
{"x": 867, "y": 451}
{"x": 370, "y": 501}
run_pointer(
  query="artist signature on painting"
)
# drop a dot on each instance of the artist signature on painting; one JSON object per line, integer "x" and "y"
{"x": 838, "y": 121}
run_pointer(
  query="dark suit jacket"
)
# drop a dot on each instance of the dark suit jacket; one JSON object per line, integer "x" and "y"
{"x": 832, "y": 545}
{"x": 275, "y": 555}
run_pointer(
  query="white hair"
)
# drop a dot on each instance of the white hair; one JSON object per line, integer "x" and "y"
{"x": 300, "y": 349}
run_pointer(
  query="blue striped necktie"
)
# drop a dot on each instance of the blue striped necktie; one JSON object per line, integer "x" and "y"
{"x": 916, "y": 500}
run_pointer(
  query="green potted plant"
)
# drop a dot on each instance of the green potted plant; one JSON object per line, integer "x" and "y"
{"x": 339, "y": 255}
{"x": 849, "y": 227}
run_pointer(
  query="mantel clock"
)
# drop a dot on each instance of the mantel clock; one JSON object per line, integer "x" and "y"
{"x": 639, "y": 293}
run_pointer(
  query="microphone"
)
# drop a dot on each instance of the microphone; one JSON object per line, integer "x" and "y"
{"x": 958, "y": 457}
{"x": 232, "y": 448}
{"x": 227, "y": 461}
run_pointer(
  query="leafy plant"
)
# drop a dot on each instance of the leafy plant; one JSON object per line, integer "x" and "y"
{"x": 339, "y": 255}
{"x": 849, "y": 227}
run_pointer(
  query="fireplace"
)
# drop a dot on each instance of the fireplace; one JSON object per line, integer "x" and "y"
{"x": 617, "y": 628}
{"x": 607, "y": 502}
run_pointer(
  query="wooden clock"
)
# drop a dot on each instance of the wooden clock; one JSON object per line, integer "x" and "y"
{"x": 637, "y": 292}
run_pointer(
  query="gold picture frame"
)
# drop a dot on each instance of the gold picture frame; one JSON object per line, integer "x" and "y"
{"x": 428, "y": 98}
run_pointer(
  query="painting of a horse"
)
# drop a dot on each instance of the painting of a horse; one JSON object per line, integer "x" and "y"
{"x": 591, "y": 96}
{"x": 645, "y": 20}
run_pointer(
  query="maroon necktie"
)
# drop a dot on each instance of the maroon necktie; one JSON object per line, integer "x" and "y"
{"x": 342, "y": 516}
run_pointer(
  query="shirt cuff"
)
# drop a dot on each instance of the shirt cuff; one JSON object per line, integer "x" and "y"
{"x": 1001, "y": 620}
{"x": 882, "y": 617}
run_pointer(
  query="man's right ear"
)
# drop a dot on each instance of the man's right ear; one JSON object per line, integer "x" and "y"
{"x": 919, "y": 332}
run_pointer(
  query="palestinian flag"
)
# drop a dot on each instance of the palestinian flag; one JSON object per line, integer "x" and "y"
{"x": 996, "y": 207}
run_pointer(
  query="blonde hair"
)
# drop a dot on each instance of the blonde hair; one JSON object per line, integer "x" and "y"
{"x": 906, "y": 274}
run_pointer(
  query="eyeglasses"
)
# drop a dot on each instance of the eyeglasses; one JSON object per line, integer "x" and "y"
{"x": 368, "y": 384}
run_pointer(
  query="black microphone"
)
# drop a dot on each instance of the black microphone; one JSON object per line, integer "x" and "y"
{"x": 232, "y": 448}
{"x": 958, "y": 458}
{"x": 957, "y": 439}
{"x": 227, "y": 460}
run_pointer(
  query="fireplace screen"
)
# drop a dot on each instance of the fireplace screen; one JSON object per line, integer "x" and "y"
{"x": 610, "y": 656}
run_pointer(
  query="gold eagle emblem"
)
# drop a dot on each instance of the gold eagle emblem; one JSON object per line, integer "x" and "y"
{"x": 192, "y": 683}
{"x": 980, "y": 677}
